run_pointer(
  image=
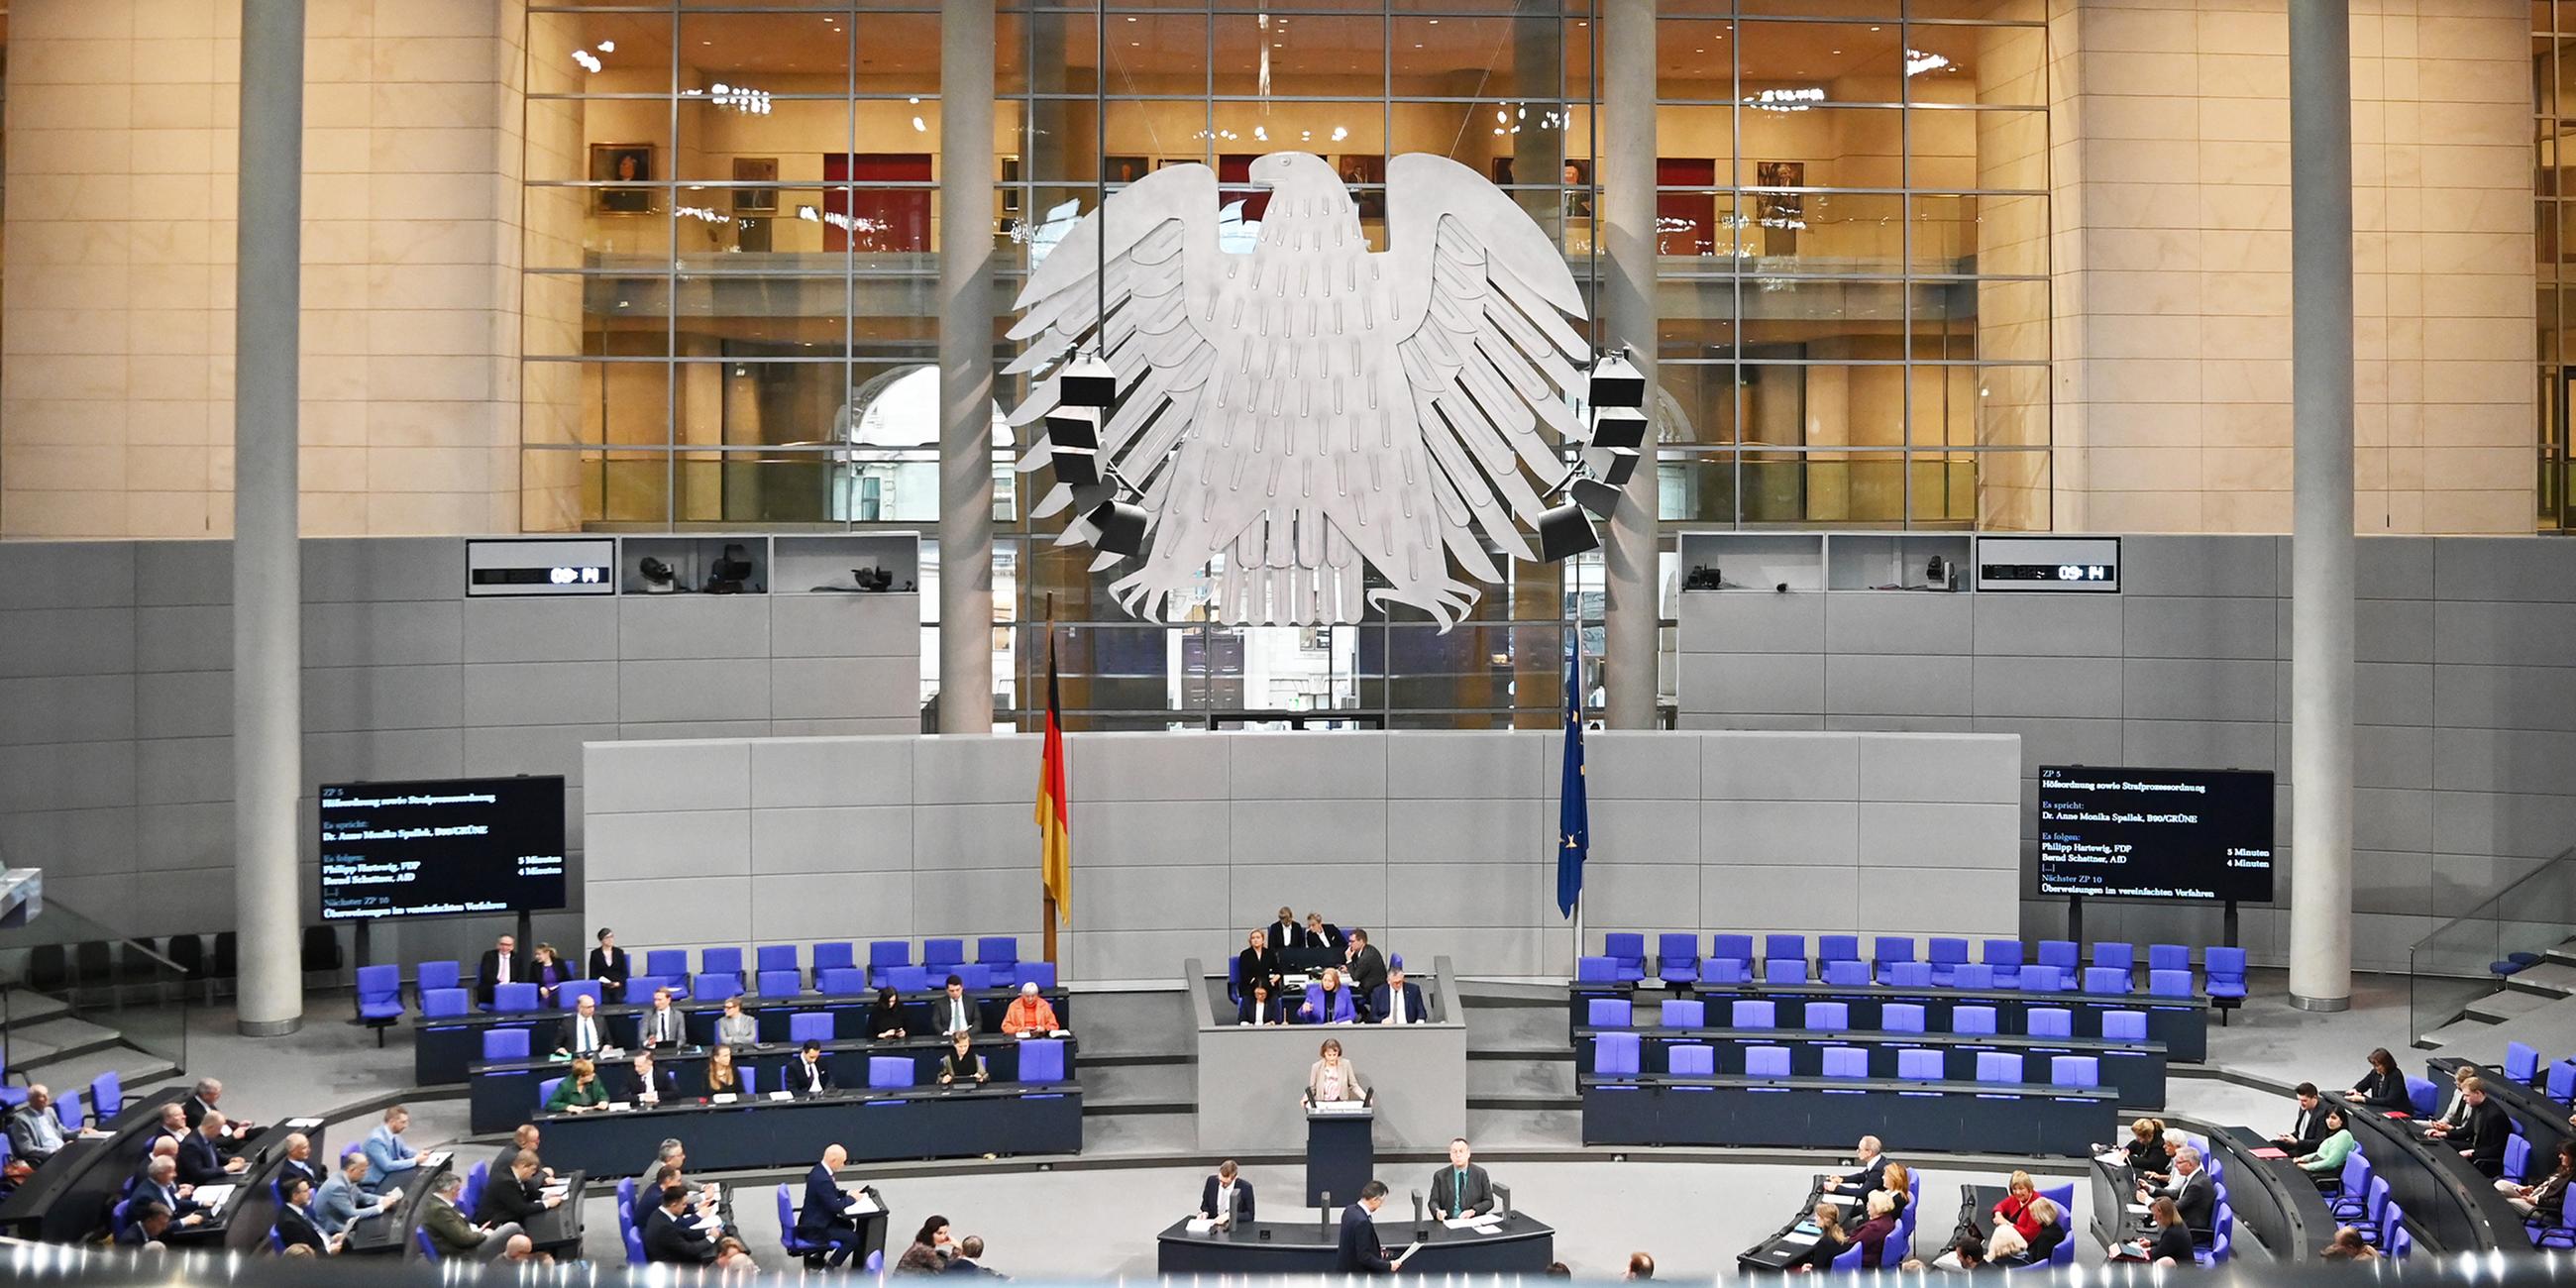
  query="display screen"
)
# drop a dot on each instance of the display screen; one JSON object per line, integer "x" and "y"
{"x": 2155, "y": 833}
{"x": 443, "y": 847}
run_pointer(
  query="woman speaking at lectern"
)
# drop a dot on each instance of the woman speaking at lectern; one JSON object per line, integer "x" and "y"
{"x": 1332, "y": 1077}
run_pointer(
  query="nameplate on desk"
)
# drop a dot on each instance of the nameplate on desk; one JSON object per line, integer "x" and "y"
{"x": 617, "y": 1106}
{"x": 782, "y": 1095}
{"x": 722, "y": 1098}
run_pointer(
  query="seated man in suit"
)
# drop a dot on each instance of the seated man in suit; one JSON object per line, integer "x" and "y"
{"x": 201, "y": 1161}
{"x": 300, "y": 1160}
{"x": 35, "y": 1134}
{"x": 1226, "y": 1198}
{"x": 654, "y": 1086}
{"x": 344, "y": 1201}
{"x": 671, "y": 1237}
{"x": 174, "y": 1125}
{"x": 1321, "y": 933}
{"x": 1398, "y": 1001}
{"x": 824, "y": 1217}
{"x": 522, "y": 1141}
{"x": 580, "y": 1034}
{"x": 2194, "y": 1195}
{"x": 455, "y": 1236}
{"x": 1367, "y": 968}
{"x": 1870, "y": 1175}
{"x": 1360, "y": 1252}
{"x": 807, "y": 1075}
{"x": 502, "y": 965}
{"x": 663, "y": 1025}
{"x": 954, "y": 1011}
{"x": 1461, "y": 1188}
{"x": 1285, "y": 932}
{"x": 1331, "y": 1003}
{"x": 1259, "y": 1006}
{"x": 144, "y": 1226}
{"x": 1031, "y": 1015}
{"x": 209, "y": 1094}
{"x": 387, "y": 1151}
{"x": 2486, "y": 1130}
{"x": 161, "y": 1185}
{"x": 517, "y": 1196}
{"x": 2308, "y": 1130}
{"x": 295, "y": 1224}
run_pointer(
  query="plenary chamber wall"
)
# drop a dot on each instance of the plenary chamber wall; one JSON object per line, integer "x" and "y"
{"x": 1437, "y": 842}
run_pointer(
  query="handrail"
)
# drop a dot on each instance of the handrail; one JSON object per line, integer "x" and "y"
{"x": 2485, "y": 908}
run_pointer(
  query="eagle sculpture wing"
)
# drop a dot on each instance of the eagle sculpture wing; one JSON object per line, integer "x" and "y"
{"x": 1304, "y": 414}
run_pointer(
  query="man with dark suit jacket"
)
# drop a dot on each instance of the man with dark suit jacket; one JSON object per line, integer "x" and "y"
{"x": 208, "y": 1096}
{"x": 2195, "y": 1196}
{"x": 1285, "y": 932}
{"x": 824, "y": 1217}
{"x": 2308, "y": 1130}
{"x": 1360, "y": 1252}
{"x": 1398, "y": 1001}
{"x": 515, "y": 1195}
{"x": 200, "y": 1161}
{"x": 1227, "y": 1198}
{"x": 654, "y": 1086}
{"x": 295, "y": 1225}
{"x": 807, "y": 1075}
{"x": 504, "y": 964}
{"x": 299, "y": 1161}
{"x": 671, "y": 1238}
{"x": 1870, "y": 1175}
{"x": 1367, "y": 969}
{"x": 2486, "y": 1130}
{"x": 1461, "y": 1188}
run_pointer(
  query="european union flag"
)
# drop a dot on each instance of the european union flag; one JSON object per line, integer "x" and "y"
{"x": 1573, "y": 809}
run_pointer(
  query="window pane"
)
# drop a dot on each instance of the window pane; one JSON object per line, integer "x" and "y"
{"x": 1302, "y": 55}
{"x": 1826, "y": 62}
{"x": 1462, "y": 57}
{"x": 1824, "y": 404}
{"x": 1701, "y": 402}
{"x": 1157, "y": 55}
{"x": 1797, "y": 145}
{"x": 2012, "y": 491}
{"x": 735, "y": 138}
{"x": 1785, "y": 317}
{"x": 1697, "y": 489}
{"x": 1990, "y": 65}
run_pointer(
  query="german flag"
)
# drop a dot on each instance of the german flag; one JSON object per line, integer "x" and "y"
{"x": 1055, "y": 807}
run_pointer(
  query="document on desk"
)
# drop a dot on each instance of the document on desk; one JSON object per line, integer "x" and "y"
{"x": 1798, "y": 1239}
{"x": 1199, "y": 1225}
{"x": 1407, "y": 1254}
{"x": 861, "y": 1205}
{"x": 212, "y": 1197}
{"x": 2112, "y": 1158}
{"x": 1341, "y": 1107}
{"x": 435, "y": 1158}
{"x": 1486, "y": 1224}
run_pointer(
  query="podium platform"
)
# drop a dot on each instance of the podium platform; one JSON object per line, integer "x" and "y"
{"x": 1341, "y": 1152}
{"x": 1251, "y": 1081}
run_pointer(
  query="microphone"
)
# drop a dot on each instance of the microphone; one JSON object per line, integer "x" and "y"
{"x": 1417, "y": 1207}
{"x": 1324, "y": 1215}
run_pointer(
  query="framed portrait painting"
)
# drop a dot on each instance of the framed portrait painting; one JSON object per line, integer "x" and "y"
{"x": 622, "y": 163}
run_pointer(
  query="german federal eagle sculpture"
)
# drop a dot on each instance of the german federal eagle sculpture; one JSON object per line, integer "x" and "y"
{"x": 1265, "y": 429}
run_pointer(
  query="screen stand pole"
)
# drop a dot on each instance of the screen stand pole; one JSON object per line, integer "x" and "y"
{"x": 362, "y": 944}
{"x": 2227, "y": 926}
{"x": 2075, "y": 921}
{"x": 527, "y": 932}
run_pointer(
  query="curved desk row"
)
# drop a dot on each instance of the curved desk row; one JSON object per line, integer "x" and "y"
{"x": 447, "y": 1045}
{"x": 1521, "y": 1246}
{"x": 2543, "y": 1121}
{"x": 66, "y": 1200}
{"x": 503, "y": 1095}
{"x": 874, "y": 1126}
{"x": 2181, "y": 1025}
{"x": 2274, "y": 1198}
{"x": 1793, "y": 1239}
{"x": 2136, "y": 1070}
{"x": 1808, "y": 1113}
{"x": 2454, "y": 1209}
{"x": 390, "y": 1233}
{"x": 243, "y": 1224}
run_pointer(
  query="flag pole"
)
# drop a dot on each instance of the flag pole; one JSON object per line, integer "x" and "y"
{"x": 1046, "y": 911}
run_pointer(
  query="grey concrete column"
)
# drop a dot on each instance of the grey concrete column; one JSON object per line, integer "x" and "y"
{"x": 1626, "y": 175}
{"x": 268, "y": 576}
{"x": 2321, "y": 570}
{"x": 966, "y": 176}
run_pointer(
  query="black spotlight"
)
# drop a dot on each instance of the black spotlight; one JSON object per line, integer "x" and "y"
{"x": 1618, "y": 427}
{"x": 1086, "y": 381}
{"x": 1073, "y": 443}
{"x": 1122, "y": 527}
{"x": 1616, "y": 382}
{"x": 1564, "y": 532}
{"x": 1597, "y": 498}
{"x": 1623, "y": 462}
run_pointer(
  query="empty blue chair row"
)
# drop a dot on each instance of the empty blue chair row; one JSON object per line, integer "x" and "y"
{"x": 2060, "y": 964}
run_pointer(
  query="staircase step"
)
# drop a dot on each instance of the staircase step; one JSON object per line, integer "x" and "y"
{"x": 2511, "y": 1003}
{"x": 2455, "y": 1031}
{"x": 137, "y": 1070}
{"x": 27, "y": 1007}
{"x": 33, "y": 1047}
{"x": 2554, "y": 976}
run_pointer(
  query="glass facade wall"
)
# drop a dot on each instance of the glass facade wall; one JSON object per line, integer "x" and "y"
{"x": 2553, "y": 92}
{"x": 732, "y": 220}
